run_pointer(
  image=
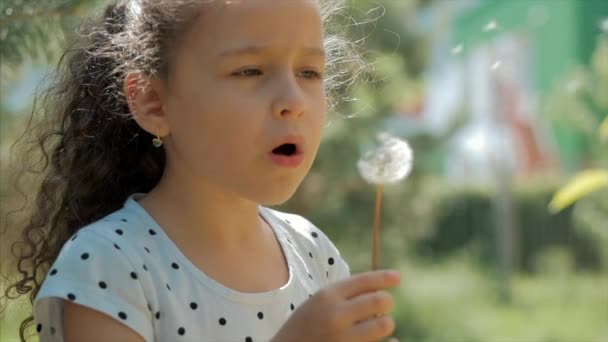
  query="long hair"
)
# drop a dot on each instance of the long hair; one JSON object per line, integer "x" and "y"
{"x": 92, "y": 153}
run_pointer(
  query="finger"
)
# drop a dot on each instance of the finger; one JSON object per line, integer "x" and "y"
{"x": 368, "y": 305}
{"x": 373, "y": 329}
{"x": 367, "y": 282}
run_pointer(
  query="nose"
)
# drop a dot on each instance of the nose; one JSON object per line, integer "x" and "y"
{"x": 290, "y": 101}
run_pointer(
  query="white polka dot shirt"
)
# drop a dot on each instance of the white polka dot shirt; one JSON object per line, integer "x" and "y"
{"x": 125, "y": 266}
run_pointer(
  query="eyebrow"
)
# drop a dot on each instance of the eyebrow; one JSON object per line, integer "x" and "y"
{"x": 254, "y": 50}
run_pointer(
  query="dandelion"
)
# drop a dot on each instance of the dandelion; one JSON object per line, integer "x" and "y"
{"x": 389, "y": 163}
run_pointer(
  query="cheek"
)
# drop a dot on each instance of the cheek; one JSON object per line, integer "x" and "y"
{"x": 212, "y": 129}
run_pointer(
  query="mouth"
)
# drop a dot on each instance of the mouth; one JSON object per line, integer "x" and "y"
{"x": 289, "y": 153}
{"x": 286, "y": 150}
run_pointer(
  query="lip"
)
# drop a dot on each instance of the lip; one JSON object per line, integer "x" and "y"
{"x": 295, "y": 159}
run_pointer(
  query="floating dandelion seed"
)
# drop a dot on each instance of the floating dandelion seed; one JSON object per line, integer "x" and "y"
{"x": 457, "y": 49}
{"x": 496, "y": 65}
{"x": 390, "y": 163}
{"x": 490, "y": 26}
{"x": 604, "y": 25}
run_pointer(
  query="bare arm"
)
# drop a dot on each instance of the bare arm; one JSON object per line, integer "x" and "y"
{"x": 83, "y": 324}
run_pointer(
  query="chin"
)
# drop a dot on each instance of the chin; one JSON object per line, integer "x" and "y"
{"x": 277, "y": 197}
{"x": 275, "y": 200}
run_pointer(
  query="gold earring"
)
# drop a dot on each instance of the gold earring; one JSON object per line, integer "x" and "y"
{"x": 157, "y": 142}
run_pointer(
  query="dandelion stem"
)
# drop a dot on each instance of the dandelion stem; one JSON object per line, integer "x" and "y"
{"x": 377, "y": 219}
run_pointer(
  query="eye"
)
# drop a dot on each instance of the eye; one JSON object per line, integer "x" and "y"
{"x": 249, "y": 72}
{"x": 311, "y": 74}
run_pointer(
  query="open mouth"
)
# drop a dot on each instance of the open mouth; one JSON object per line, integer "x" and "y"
{"x": 286, "y": 150}
{"x": 290, "y": 154}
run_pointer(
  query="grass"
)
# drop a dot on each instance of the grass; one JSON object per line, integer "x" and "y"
{"x": 454, "y": 302}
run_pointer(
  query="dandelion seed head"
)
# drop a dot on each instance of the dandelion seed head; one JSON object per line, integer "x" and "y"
{"x": 389, "y": 163}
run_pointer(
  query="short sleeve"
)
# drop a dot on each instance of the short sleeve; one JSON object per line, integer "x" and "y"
{"x": 93, "y": 271}
{"x": 337, "y": 267}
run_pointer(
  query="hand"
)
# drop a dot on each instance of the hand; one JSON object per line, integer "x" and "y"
{"x": 352, "y": 310}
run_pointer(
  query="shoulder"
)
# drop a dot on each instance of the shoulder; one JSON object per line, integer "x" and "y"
{"x": 95, "y": 248}
{"x": 98, "y": 253}
{"x": 308, "y": 238}
{"x": 301, "y": 228}
{"x": 116, "y": 232}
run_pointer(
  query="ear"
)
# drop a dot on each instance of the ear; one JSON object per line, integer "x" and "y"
{"x": 145, "y": 96}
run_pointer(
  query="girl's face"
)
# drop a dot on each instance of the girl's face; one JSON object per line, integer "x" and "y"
{"x": 248, "y": 73}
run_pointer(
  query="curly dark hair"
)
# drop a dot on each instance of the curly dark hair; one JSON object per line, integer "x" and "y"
{"x": 93, "y": 154}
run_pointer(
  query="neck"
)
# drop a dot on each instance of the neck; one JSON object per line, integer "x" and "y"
{"x": 204, "y": 213}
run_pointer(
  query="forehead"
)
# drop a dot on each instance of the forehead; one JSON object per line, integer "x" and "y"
{"x": 233, "y": 24}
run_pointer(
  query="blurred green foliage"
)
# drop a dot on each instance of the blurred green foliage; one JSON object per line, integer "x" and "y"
{"x": 36, "y": 30}
{"x": 466, "y": 218}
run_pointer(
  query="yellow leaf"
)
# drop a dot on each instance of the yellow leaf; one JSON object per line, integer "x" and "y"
{"x": 581, "y": 185}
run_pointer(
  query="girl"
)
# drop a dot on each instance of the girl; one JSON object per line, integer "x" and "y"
{"x": 179, "y": 122}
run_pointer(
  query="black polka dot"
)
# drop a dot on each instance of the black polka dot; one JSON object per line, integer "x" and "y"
{"x": 39, "y": 327}
{"x": 330, "y": 261}
{"x": 152, "y": 232}
{"x": 168, "y": 287}
{"x": 291, "y": 306}
{"x": 314, "y": 234}
{"x": 181, "y": 331}
{"x": 122, "y": 315}
{"x": 157, "y": 315}
{"x": 289, "y": 241}
{"x": 309, "y": 253}
{"x": 84, "y": 256}
{"x": 145, "y": 268}
{"x": 147, "y": 250}
{"x": 123, "y": 220}
{"x": 222, "y": 321}
{"x": 74, "y": 237}
{"x": 175, "y": 266}
{"x": 327, "y": 274}
{"x": 193, "y": 306}
{"x": 149, "y": 307}
{"x": 133, "y": 275}
{"x": 248, "y": 339}
{"x": 102, "y": 284}
{"x": 118, "y": 231}
{"x": 71, "y": 297}
{"x": 309, "y": 295}
{"x": 116, "y": 246}
{"x": 309, "y": 275}
{"x": 53, "y": 271}
{"x": 260, "y": 315}
{"x": 52, "y": 330}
